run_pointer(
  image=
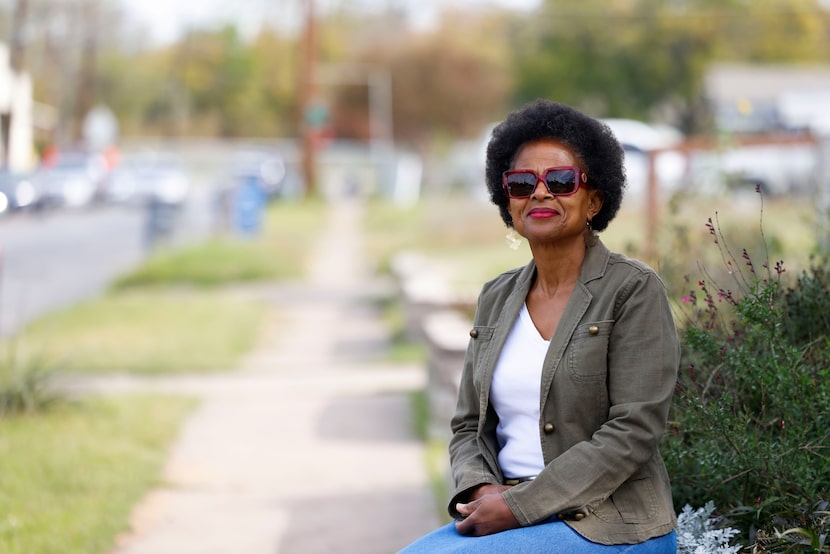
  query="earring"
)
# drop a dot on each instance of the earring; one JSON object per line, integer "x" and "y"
{"x": 513, "y": 240}
{"x": 588, "y": 224}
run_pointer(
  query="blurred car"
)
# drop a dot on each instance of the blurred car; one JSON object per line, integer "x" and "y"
{"x": 17, "y": 192}
{"x": 774, "y": 169}
{"x": 638, "y": 139}
{"x": 145, "y": 178}
{"x": 71, "y": 179}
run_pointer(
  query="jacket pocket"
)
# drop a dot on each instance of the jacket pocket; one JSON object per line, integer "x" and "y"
{"x": 588, "y": 356}
{"x": 633, "y": 502}
{"x": 481, "y": 339}
{"x": 481, "y": 333}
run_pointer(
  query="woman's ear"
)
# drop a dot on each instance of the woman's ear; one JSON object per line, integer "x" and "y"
{"x": 594, "y": 203}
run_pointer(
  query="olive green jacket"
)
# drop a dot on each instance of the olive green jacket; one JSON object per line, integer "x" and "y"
{"x": 607, "y": 384}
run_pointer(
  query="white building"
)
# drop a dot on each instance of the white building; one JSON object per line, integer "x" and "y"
{"x": 765, "y": 98}
{"x": 16, "y": 98}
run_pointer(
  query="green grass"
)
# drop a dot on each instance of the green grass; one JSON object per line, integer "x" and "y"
{"x": 70, "y": 476}
{"x": 71, "y": 471}
{"x": 216, "y": 262}
{"x": 149, "y": 332}
{"x": 277, "y": 253}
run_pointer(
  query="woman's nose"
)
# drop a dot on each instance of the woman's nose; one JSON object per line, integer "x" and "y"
{"x": 540, "y": 182}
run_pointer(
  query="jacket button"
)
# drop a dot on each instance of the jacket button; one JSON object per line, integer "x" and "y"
{"x": 474, "y": 334}
{"x": 593, "y": 329}
{"x": 549, "y": 428}
{"x": 579, "y": 516}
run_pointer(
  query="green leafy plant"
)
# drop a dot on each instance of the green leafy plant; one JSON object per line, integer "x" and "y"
{"x": 750, "y": 424}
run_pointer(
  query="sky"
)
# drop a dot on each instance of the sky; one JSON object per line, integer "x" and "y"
{"x": 166, "y": 19}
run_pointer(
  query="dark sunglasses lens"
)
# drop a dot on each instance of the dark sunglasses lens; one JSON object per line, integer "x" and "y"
{"x": 561, "y": 181}
{"x": 521, "y": 184}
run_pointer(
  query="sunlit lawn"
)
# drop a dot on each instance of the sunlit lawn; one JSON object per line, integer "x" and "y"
{"x": 70, "y": 477}
{"x": 147, "y": 332}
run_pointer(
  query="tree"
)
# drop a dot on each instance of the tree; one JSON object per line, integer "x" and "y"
{"x": 445, "y": 82}
{"x": 646, "y": 58}
{"x": 621, "y": 59}
{"x": 275, "y": 60}
{"x": 215, "y": 69}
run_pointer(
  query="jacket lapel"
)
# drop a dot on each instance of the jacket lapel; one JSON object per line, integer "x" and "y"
{"x": 593, "y": 267}
{"x": 509, "y": 313}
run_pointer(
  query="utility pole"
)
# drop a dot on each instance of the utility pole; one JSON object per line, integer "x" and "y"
{"x": 86, "y": 87}
{"x": 17, "y": 57}
{"x": 307, "y": 96}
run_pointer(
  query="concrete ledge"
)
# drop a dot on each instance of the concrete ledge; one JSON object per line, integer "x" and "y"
{"x": 447, "y": 333}
{"x": 425, "y": 288}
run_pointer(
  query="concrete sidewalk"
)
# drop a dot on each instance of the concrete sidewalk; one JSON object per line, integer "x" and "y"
{"x": 307, "y": 448}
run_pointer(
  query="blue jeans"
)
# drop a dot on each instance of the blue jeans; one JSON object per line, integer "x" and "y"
{"x": 554, "y": 536}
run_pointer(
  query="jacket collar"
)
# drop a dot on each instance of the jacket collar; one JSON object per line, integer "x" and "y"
{"x": 596, "y": 260}
{"x": 593, "y": 266}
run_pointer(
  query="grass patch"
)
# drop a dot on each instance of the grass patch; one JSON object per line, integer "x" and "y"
{"x": 70, "y": 477}
{"x": 278, "y": 253}
{"x": 149, "y": 332}
{"x": 213, "y": 263}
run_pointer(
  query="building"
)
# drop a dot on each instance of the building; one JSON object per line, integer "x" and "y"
{"x": 16, "y": 100}
{"x": 769, "y": 98}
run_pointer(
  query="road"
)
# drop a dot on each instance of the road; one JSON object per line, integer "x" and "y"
{"x": 52, "y": 260}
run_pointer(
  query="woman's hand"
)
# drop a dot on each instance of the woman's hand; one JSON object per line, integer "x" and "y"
{"x": 486, "y": 512}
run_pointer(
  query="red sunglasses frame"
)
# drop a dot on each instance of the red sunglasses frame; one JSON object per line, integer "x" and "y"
{"x": 580, "y": 180}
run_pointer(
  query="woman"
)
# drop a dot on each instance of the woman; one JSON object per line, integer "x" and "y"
{"x": 571, "y": 365}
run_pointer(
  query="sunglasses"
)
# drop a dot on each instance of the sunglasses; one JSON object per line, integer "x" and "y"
{"x": 560, "y": 181}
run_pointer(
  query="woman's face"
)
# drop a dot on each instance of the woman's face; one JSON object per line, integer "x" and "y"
{"x": 542, "y": 217}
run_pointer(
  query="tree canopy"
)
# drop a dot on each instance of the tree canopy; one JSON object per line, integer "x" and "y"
{"x": 642, "y": 59}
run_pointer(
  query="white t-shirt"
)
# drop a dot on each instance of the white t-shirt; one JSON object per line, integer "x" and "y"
{"x": 515, "y": 395}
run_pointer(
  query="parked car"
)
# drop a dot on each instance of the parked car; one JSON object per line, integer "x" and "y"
{"x": 638, "y": 139}
{"x": 147, "y": 177}
{"x": 71, "y": 179}
{"x": 17, "y": 192}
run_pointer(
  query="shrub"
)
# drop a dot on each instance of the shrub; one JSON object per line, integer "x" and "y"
{"x": 751, "y": 418}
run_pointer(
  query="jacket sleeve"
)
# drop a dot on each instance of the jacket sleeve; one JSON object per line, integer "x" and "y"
{"x": 469, "y": 464}
{"x": 642, "y": 361}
